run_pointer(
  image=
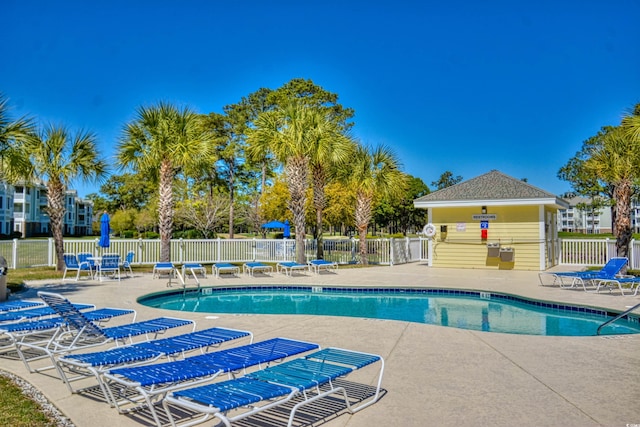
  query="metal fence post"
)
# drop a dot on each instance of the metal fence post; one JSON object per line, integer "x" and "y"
{"x": 14, "y": 254}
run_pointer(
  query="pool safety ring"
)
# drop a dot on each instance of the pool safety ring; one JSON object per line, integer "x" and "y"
{"x": 429, "y": 230}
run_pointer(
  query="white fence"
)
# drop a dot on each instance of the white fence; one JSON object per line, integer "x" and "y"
{"x": 33, "y": 253}
{"x": 595, "y": 252}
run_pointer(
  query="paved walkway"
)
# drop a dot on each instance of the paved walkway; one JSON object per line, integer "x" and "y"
{"x": 434, "y": 375}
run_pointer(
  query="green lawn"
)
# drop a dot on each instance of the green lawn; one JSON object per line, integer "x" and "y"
{"x": 18, "y": 411}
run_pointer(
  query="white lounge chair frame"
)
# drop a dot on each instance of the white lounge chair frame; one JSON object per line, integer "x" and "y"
{"x": 287, "y": 268}
{"x": 619, "y": 282}
{"x": 222, "y": 268}
{"x": 163, "y": 268}
{"x": 195, "y": 269}
{"x": 147, "y": 396}
{"x": 317, "y": 265}
{"x": 72, "y": 368}
{"x": 323, "y": 389}
{"x": 250, "y": 268}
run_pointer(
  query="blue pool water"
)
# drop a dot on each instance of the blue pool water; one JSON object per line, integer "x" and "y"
{"x": 482, "y": 311}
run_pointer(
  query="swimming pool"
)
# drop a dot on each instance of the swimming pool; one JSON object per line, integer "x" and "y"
{"x": 464, "y": 309}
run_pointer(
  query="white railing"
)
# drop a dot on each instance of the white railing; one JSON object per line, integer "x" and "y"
{"x": 33, "y": 252}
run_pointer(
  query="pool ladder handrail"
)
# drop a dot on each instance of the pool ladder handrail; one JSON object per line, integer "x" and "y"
{"x": 616, "y": 318}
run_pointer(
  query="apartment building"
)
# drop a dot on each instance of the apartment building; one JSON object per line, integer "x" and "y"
{"x": 580, "y": 219}
{"x": 28, "y": 213}
{"x": 6, "y": 209}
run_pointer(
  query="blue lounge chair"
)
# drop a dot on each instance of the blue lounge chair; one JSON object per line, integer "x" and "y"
{"x": 194, "y": 268}
{"x": 249, "y": 268}
{"x": 224, "y": 267}
{"x": 80, "y": 332}
{"x": 74, "y": 367}
{"x": 310, "y": 377}
{"x": 39, "y": 331}
{"x": 317, "y": 265}
{"x": 289, "y": 267}
{"x": 109, "y": 267}
{"x": 35, "y": 313}
{"x": 163, "y": 268}
{"x": 89, "y": 259}
{"x": 71, "y": 263}
{"x": 622, "y": 283}
{"x": 126, "y": 264}
{"x": 6, "y": 306}
{"x": 572, "y": 279}
{"x": 153, "y": 382}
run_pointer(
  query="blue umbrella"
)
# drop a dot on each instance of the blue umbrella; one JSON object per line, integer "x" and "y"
{"x": 274, "y": 224}
{"x": 287, "y": 230}
{"x": 105, "y": 229}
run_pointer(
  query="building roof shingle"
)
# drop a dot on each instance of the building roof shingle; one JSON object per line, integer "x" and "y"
{"x": 492, "y": 186}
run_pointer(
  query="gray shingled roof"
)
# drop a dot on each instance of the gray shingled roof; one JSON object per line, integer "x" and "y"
{"x": 493, "y": 185}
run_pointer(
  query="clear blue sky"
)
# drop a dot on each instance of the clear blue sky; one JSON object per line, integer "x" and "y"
{"x": 464, "y": 86}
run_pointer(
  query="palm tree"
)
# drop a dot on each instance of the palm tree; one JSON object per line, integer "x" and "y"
{"x": 58, "y": 157}
{"x": 616, "y": 161}
{"x": 158, "y": 143}
{"x": 330, "y": 150}
{"x": 373, "y": 172}
{"x": 289, "y": 132}
{"x": 13, "y": 133}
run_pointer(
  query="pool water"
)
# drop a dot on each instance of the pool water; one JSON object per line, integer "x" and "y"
{"x": 481, "y": 311}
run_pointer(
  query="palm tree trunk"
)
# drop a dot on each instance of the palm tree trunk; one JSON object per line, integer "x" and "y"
{"x": 165, "y": 210}
{"x": 55, "y": 210}
{"x": 319, "y": 202}
{"x": 297, "y": 180}
{"x": 622, "y": 196}
{"x": 363, "y": 216}
{"x": 232, "y": 190}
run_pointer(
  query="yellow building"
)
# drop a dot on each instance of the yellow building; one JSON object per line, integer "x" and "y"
{"x": 492, "y": 221}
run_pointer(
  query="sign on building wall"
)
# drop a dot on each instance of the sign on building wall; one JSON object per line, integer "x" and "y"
{"x": 484, "y": 217}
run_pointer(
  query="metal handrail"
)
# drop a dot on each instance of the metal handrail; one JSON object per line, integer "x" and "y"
{"x": 616, "y": 318}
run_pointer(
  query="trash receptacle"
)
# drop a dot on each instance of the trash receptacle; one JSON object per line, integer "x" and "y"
{"x": 493, "y": 250}
{"x": 506, "y": 254}
{"x": 3, "y": 278}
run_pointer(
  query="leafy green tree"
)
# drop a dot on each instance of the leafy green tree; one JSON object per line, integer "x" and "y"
{"x": 446, "y": 180}
{"x": 161, "y": 141}
{"x": 147, "y": 218}
{"x": 585, "y": 181}
{"x": 331, "y": 147}
{"x": 400, "y": 211}
{"x": 256, "y": 103}
{"x": 229, "y": 132}
{"x": 273, "y": 203}
{"x": 289, "y": 133}
{"x": 375, "y": 172}
{"x": 341, "y": 199}
{"x": 312, "y": 95}
{"x": 330, "y": 150}
{"x": 126, "y": 191}
{"x": 14, "y": 162}
{"x": 123, "y": 220}
{"x": 616, "y": 161}
{"x": 59, "y": 158}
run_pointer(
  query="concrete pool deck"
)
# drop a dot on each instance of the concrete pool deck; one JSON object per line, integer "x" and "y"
{"x": 433, "y": 375}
